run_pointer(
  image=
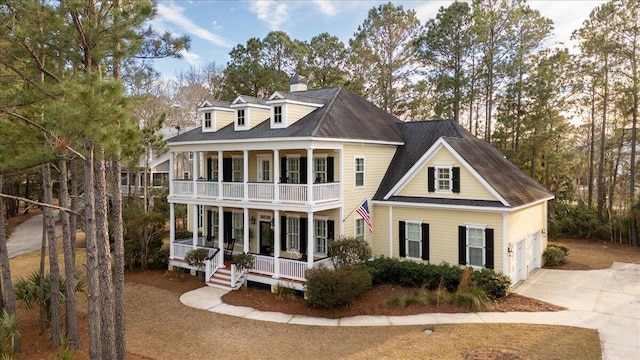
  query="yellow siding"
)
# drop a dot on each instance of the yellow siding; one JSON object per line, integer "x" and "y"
{"x": 527, "y": 221}
{"x": 256, "y": 116}
{"x": 376, "y": 161}
{"x": 443, "y": 231}
{"x": 296, "y": 112}
{"x": 223, "y": 118}
{"x": 470, "y": 187}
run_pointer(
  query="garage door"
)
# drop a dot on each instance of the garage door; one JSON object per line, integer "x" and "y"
{"x": 534, "y": 251}
{"x": 519, "y": 261}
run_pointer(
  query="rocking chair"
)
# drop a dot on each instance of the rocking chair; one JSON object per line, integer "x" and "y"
{"x": 228, "y": 251}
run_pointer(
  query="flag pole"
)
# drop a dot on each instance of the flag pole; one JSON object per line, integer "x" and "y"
{"x": 354, "y": 209}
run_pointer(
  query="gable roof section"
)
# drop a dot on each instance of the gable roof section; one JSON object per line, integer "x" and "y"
{"x": 344, "y": 116}
{"x": 214, "y": 103}
{"x": 511, "y": 183}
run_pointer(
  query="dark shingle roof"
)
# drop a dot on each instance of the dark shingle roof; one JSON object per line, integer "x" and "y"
{"x": 253, "y": 100}
{"x": 516, "y": 187}
{"x": 297, "y": 97}
{"x": 344, "y": 116}
{"x": 218, "y": 103}
{"x": 443, "y": 201}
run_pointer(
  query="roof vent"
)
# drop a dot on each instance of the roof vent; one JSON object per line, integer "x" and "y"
{"x": 297, "y": 83}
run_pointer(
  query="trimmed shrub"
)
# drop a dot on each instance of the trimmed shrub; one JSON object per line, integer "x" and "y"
{"x": 561, "y": 247}
{"x": 160, "y": 259}
{"x": 385, "y": 270}
{"x": 333, "y": 288}
{"x": 494, "y": 285}
{"x": 183, "y": 234}
{"x": 349, "y": 251}
{"x": 196, "y": 257}
{"x": 554, "y": 256}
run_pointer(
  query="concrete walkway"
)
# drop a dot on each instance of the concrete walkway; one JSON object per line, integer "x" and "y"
{"x": 27, "y": 236}
{"x": 606, "y": 300}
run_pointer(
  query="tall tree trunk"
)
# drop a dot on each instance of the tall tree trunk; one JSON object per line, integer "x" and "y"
{"x": 71, "y": 319}
{"x": 603, "y": 136}
{"x": 93, "y": 281}
{"x": 73, "y": 218}
{"x": 118, "y": 249}
{"x": 634, "y": 138}
{"x": 43, "y": 255}
{"x": 107, "y": 337}
{"x": 592, "y": 142}
{"x": 9, "y": 297}
{"x": 54, "y": 271}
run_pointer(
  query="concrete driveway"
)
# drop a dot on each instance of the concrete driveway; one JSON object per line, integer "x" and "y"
{"x": 27, "y": 237}
{"x": 607, "y": 300}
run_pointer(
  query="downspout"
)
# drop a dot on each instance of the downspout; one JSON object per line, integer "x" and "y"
{"x": 391, "y": 231}
{"x": 505, "y": 244}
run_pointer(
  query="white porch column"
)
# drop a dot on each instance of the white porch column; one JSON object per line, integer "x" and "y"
{"x": 221, "y": 232}
{"x": 245, "y": 173}
{"x": 391, "y": 232}
{"x": 201, "y": 162}
{"x": 171, "y": 172}
{"x": 194, "y": 173}
{"x": 220, "y": 157}
{"x": 172, "y": 228}
{"x": 195, "y": 225}
{"x": 310, "y": 176}
{"x": 245, "y": 233}
{"x": 276, "y": 244}
{"x": 310, "y": 239}
{"x": 276, "y": 175}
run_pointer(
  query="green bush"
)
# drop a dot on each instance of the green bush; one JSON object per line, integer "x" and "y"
{"x": 160, "y": 259}
{"x": 494, "y": 285}
{"x": 349, "y": 251}
{"x": 554, "y": 256}
{"x": 385, "y": 270}
{"x": 183, "y": 234}
{"x": 196, "y": 257}
{"x": 329, "y": 288}
{"x": 578, "y": 220}
{"x": 27, "y": 290}
{"x": 472, "y": 298}
{"x": 561, "y": 247}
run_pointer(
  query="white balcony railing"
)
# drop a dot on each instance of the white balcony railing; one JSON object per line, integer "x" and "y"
{"x": 263, "y": 264}
{"x": 293, "y": 269}
{"x": 292, "y": 193}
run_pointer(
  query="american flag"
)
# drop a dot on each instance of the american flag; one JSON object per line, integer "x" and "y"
{"x": 363, "y": 210}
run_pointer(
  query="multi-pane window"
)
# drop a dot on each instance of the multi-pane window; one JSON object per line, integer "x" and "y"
{"x": 207, "y": 119}
{"x": 200, "y": 211}
{"x": 320, "y": 237}
{"x": 237, "y": 223}
{"x": 214, "y": 169}
{"x": 293, "y": 170}
{"x": 240, "y": 117}
{"x": 359, "y": 172}
{"x": 413, "y": 234}
{"x": 293, "y": 234}
{"x": 214, "y": 227}
{"x": 359, "y": 229}
{"x": 277, "y": 114}
{"x": 475, "y": 246}
{"x": 124, "y": 179}
{"x": 237, "y": 171}
{"x": 443, "y": 178}
{"x": 320, "y": 169}
{"x": 159, "y": 179}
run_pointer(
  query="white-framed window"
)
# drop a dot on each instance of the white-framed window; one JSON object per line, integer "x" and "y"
{"x": 277, "y": 114}
{"x": 444, "y": 178}
{"x": 359, "y": 171}
{"x": 237, "y": 171}
{"x": 214, "y": 169}
{"x": 200, "y": 210}
{"x": 475, "y": 246}
{"x": 186, "y": 175}
{"x": 359, "y": 229}
{"x": 264, "y": 168}
{"x": 159, "y": 179}
{"x": 237, "y": 223}
{"x": 214, "y": 227}
{"x": 320, "y": 169}
{"x": 293, "y": 169}
{"x": 413, "y": 233}
{"x": 320, "y": 236}
{"x": 124, "y": 179}
{"x": 207, "y": 119}
{"x": 240, "y": 118}
{"x": 293, "y": 233}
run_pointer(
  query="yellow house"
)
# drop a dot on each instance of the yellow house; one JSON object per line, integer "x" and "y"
{"x": 280, "y": 178}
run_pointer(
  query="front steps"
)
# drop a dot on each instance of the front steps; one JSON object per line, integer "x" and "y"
{"x": 221, "y": 279}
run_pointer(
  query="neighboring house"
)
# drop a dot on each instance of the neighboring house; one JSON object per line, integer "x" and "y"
{"x": 132, "y": 180}
{"x": 294, "y": 167}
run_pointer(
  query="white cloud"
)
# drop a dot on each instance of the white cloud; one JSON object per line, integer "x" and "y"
{"x": 192, "y": 58}
{"x": 174, "y": 14}
{"x": 326, "y": 7}
{"x": 271, "y": 12}
{"x": 429, "y": 9}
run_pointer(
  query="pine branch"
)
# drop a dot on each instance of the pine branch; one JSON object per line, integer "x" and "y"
{"x": 39, "y": 203}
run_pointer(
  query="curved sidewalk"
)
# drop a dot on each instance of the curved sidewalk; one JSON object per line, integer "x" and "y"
{"x": 607, "y": 300}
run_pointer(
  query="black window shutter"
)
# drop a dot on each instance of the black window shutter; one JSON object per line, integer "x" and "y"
{"x": 283, "y": 170}
{"x": 227, "y": 168}
{"x": 283, "y": 233}
{"x": 331, "y": 227}
{"x": 488, "y": 238}
{"x": 303, "y": 235}
{"x": 401, "y": 239}
{"x": 228, "y": 229}
{"x": 431, "y": 179}
{"x": 456, "y": 180}
{"x": 209, "y": 166}
{"x": 330, "y": 169}
{"x": 462, "y": 245}
{"x": 425, "y": 241}
{"x": 303, "y": 170}
{"x": 209, "y": 225}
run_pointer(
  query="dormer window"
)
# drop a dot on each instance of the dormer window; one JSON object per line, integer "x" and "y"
{"x": 207, "y": 119}
{"x": 240, "y": 118}
{"x": 277, "y": 114}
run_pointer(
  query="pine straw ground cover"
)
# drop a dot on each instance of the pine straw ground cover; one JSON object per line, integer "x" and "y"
{"x": 160, "y": 327}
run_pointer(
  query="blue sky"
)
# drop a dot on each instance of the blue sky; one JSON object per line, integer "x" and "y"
{"x": 215, "y": 27}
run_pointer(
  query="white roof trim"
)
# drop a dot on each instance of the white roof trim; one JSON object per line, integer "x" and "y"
{"x": 285, "y": 139}
{"x": 276, "y": 95}
{"x": 442, "y": 206}
{"x": 419, "y": 165}
{"x": 204, "y": 103}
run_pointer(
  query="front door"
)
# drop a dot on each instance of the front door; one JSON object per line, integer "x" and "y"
{"x": 266, "y": 238}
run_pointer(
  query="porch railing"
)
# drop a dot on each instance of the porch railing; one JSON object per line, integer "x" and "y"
{"x": 324, "y": 192}
{"x": 207, "y": 189}
{"x": 236, "y": 275}
{"x": 261, "y": 191}
{"x": 183, "y": 246}
{"x": 183, "y": 188}
{"x": 293, "y": 269}
{"x": 263, "y": 264}
{"x": 233, "y": 191}
{"x": 213, "y": 262}
{"x": 293, "y": 193}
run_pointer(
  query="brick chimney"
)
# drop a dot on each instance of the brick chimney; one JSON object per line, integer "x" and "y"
{"x": 297, "y": 83}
